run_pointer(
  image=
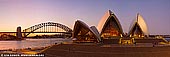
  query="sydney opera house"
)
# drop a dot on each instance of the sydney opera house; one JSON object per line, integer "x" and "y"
{"x": 109, "y": 31}
{"x": 138, "y": 28}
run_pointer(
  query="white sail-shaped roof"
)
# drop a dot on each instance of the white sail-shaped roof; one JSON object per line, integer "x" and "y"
{"x": 81, "y": 26}
{"x": 95, "y": 31}
{"x": 104, "y": 20}
{"x": 141, "y": 22}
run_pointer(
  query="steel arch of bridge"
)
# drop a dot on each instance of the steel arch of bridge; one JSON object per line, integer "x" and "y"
{"x": 38, "y": 26}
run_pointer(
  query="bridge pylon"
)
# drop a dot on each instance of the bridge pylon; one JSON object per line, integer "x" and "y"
{"x": 19, "y": 34}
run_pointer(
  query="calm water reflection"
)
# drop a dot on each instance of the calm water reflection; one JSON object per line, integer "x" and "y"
{"x": 168, "y": 39}
{"x": 33, "y": 43}
{"x": 29, "y": 43}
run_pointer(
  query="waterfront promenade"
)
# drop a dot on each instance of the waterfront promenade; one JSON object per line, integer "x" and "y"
{"x": 94, "y": 50}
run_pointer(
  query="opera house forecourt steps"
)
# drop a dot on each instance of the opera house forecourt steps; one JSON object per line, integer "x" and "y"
{"x": 79, "y": 50}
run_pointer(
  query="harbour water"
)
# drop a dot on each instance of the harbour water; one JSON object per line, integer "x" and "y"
{"x": 29, "y": 43}
{"x": 33, "y": 43}
{"x": 168, "y": 39}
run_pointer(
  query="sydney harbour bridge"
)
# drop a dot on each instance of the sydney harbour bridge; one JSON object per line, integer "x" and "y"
{"x": 57, "y": 29}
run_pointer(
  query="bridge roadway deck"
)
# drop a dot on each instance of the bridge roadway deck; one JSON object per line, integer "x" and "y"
{"x": 73, "y": 50}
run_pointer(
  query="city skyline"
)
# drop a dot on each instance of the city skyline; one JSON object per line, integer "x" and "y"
{"x": 31, "y": 12}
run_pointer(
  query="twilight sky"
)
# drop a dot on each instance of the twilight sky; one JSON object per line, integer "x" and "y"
{"x": 26, "y": 13}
